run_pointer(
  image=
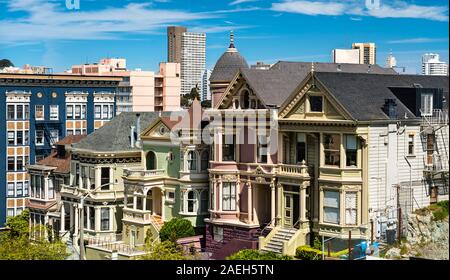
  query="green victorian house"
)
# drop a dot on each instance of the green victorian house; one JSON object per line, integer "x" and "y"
{"x": 172, "y": 180}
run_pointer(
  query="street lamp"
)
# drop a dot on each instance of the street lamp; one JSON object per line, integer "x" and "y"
{"x": 82, "y": 216}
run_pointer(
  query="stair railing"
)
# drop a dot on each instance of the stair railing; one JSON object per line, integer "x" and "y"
{"x": 291, "y": 229}
{"x": 267, "y": 226}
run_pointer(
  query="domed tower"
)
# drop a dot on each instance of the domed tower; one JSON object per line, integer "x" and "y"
{"x": 225, "y": 69}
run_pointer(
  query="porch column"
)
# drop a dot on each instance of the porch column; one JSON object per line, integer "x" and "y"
{"x": 45, "y": 226}
{"x": 63, "y": 218}
{"x": 302, "y": 203}
{"x": 163, "y": 205}
{"x": 75, "y": 208}
{"x": 220, "y": 195}
{"x": 144, "y": 203}
{"x": 98, "y": 175}
{"x": 272, "y": 204}
{"x": 249, "y": 203}
{"x": 71, "y": 216}
{"x": 134, "y": 202}
{"x": 97, "y": 219}
{"x": 279, "y": 189}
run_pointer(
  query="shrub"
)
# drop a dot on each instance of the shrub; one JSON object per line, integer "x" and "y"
{"x": 251, "y": 254}
{"x": 175, "y": 229}
{"x": 317, "y": 243}
{"x": 444, "y": 205}
{"x": 307, "y": 253}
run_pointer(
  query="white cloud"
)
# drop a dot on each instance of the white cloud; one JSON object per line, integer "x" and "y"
{"x": 418, "y": 40}
{"x": 236, "y": 2}
{"x": 49, "y": 20}
{"x": 387, "y": 9}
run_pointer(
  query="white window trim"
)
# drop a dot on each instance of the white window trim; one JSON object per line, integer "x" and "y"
{"x": 35, "y": 138}
{"x": 35, "y": 112}
{"x": 52, "y": 116}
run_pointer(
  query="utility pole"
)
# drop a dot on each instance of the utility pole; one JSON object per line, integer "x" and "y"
{"x": 349, "y": 244}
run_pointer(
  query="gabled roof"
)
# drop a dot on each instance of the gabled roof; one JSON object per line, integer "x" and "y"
{"x": 114, "y": 136}
{"x": 275, "y": 85}
{"x": 363, "y": 95}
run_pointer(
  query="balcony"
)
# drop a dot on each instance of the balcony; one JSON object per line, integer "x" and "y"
{"x": 293, "y": 170}
{"x": 102, "y": 195}
{"x": 434, "y": 163}
{"x": 140, "y": 173}
{"x": 142, "y": 217}
{"x": 436, "y": 117}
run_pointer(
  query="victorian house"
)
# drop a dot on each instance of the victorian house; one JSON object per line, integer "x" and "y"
{"x": 96, "y": 169}
{"x": 172, "y": 180}
{"x": 297, "y": 147}
{"x": 47, "y": 177}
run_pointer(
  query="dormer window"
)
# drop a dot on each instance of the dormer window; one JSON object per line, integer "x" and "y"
{"x": 426, "y": 107}
{"x": 316, "y": 103}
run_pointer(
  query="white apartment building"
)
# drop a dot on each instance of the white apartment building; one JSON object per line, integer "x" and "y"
{"x": 431, "y": 65}
{"x": 193, "y": 60}
{"x": 205, "y": 93}
{"x": 346, "y": 56}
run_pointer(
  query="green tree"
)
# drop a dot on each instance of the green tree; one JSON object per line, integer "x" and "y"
{"x": 5, "y": 63}
{"x": 15, "y": 243}
{"x": 175, "y": 229}
{"x": 186, "y": 99}
{"x": 166, "y": 250}
{"x": 251, "y": 254}
{"x": 206, "y": 104}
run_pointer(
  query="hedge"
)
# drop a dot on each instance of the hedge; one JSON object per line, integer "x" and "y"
{"x": 251, "y": 254}
{"x": 307, "y": 253}
{"x": 176, "y": 228}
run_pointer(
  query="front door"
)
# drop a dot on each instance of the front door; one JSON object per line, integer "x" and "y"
{"x": 132, "y": 238}
{"x": 288, "y": 209}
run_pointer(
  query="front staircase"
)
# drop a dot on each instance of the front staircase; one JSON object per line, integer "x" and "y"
{"x": 275, "y": 243}
{"x": 157, "y": 221}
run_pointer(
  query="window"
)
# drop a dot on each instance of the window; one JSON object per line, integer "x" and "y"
{"x": 331, "y": 148}
{"x": 228, "y": 196}
{"x": 205, "y": 160}
{"x": 54, "y": 135}
{"x": 26, "y": 188}
{"x": 104, "y": 221}
{"x": 426, "y": 104}
{"x": 350, "y": 208}
{"x": 11, "y": 164}
{"x": 11, "y": 112}
{"x": 316, "y": 103}
{"x": 191, "y": 202}
{"x": 19, "y": 189}
{"x": 98, "y": 111}
{"x": 171, "y": 195}
{"x": 204, "y": 201}
{"x": 105, "y": 112}
{"x": 37, "y": 186}
{"x": 54, "y": 112}
{"x": 77, "y": 174}
{"x": 85, "y": 217}
{"x": 301, "y": 148}
{"x": 228, "y": 147}
{"x": 111, "y": 111}
{"x": 91, "y": 218}
{"x": 83, "y": 111}
{"x": 19, "y": 112}
{"x": 69, "y": 111}
{"x": 11, "y": 138}
{"x": 411, "y": 144}
{"x": 20, "y": 138}
{"x": 192, "y": 160}
{"x": 19, "y": 211}
{"x": 351, "y": 150}
{"x": 26, "y": 139}
{"x": 19, "y": 163}
{"x": 331, "y": 207}
{"x": 10, "y": 189}
{"x": 69, "y": 132}
{"x": 39, "y": 112}
{"x": 77, "y": 112}
{"x": 27, "y": 112}
{"x": 218, "y": 233}
{"x": 51, "y": 190}
{"x": 105, "y": 178}
{"x": 10, "y": 212}
{"x": 261, "y": 150}
{"x": 39, "y": 138}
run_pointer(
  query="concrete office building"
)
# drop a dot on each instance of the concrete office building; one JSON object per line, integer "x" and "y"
{"x": 345, "y": 56}
{"x": 431, "y": 65}
{"x": 174, "y": 34}
{"x": 144, "y": 91}
{"x": 367, "y": 52}
{"x": 39, "y": 110}
{"x": 193, "y": 60}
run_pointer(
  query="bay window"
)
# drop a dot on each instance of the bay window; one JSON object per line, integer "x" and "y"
{"x": 331, "y": 148}
{"x": 350, "y": 208}
{"x": 191, "y": 201}
{"x": 229, "y": 196}
{"x": 192, "y": 160}
{"x": 104, "y": 221}
{"x": 228, "y": 147}
{"x": 351, "y": 149}
{"x": 331, "y": 207}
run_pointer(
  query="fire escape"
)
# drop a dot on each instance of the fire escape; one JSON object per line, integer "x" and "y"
{"x": 434, "y": 132}
{"x": 47, "y": 126}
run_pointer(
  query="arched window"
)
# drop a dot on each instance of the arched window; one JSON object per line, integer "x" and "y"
{"x": 236, "y": 104}
{"x": 151, "y": 161}
{"x": 191, "y": 201}
{"x": 205, "y": 160}
{"x": 192, "y": 160}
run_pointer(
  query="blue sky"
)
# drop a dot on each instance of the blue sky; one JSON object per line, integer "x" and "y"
{"x": 47, "y": 33}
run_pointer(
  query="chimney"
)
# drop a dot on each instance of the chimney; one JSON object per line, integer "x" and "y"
{"x": 132, "y": 136}
{"x": 138, "y": 126}
{"x": 390, "y": 108}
